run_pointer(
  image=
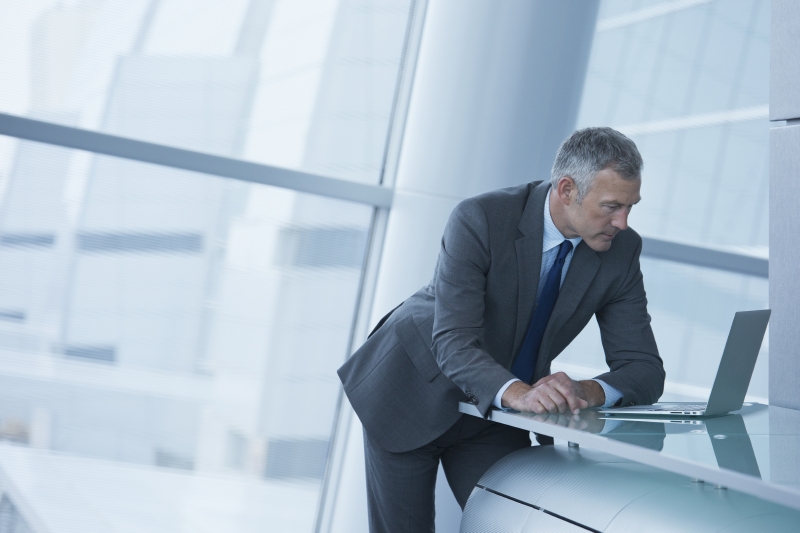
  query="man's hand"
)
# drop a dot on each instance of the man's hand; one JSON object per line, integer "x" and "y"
{"x": 556, "y": 393}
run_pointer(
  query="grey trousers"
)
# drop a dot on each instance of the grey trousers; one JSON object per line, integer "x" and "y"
{"x": 401, "y": 486}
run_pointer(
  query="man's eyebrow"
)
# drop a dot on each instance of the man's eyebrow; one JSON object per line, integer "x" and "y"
{"x": 615, "y": 202}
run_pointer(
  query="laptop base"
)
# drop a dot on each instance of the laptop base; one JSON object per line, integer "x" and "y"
{"x": 670, "y": 409}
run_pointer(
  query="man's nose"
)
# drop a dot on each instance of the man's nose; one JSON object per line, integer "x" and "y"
{"x": 620, "y": 220}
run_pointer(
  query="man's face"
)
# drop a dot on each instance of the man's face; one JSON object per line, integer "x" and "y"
{"x": 604, "y": 210}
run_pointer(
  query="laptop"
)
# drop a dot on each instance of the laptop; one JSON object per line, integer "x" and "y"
{"x": 733, "y": 375}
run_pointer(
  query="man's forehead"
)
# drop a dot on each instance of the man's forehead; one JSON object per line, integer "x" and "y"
{"x": 622, "y": 191}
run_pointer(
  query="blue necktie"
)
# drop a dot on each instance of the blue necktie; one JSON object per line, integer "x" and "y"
{"x": 525, "y": 364}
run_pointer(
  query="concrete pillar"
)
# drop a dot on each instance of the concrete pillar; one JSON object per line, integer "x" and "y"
{"x": 784, "y": 198}
{"x": 497, "y": 88}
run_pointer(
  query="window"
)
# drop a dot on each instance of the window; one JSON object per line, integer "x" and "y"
{"x": 169, "y": 337}
{"x": 688, "y": 82}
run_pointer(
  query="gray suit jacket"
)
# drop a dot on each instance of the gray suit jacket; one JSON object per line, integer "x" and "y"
{"x": 456, "y": 339}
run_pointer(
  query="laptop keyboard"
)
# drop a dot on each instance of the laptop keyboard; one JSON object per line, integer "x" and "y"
{"x": 700, "y": 407}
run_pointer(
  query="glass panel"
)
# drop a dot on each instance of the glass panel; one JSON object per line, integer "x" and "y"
{"x": 688, "y": 82}
{"x": 168, "y": 344}
{"x": 692, "y": 310}
{"x": 303, "y": 84}
{"x": 690, "y": 86}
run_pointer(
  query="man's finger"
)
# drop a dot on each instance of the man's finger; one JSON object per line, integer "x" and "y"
{"x": 573, "y": 400}
{"x": 538, "y": 408}
{"x": 582, "y": 404}
{"x": 571, "y": 391}
{"x": 559, "y": 399}
{"x": 552, "y": 399}
{"x": 546, "y": 402}
{"x": 531, "y": 403}
{"x": 551, "y": 391}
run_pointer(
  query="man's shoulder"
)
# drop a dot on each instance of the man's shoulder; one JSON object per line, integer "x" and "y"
{"x": 514, "y": 194}
{"x": 500, "y": 201}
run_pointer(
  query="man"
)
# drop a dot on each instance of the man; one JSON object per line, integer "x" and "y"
{"x": 521, "y": 271}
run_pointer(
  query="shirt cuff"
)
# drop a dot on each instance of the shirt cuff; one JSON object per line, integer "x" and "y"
{"x": 612, "y": 394}
{"x": 498, "y": 399}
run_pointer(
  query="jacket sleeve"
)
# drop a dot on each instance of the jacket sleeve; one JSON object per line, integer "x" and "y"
{"x": 630, "y": 347}
{"x": 460, "y": 286}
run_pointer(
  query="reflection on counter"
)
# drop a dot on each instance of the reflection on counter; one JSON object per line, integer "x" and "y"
{"x": 753, "y": 450}
{"x": 728, "y": 435}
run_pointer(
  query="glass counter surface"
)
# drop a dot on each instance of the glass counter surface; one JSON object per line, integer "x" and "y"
{"x": 755, "y": 450}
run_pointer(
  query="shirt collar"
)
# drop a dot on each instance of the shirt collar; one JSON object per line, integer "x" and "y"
{"x": 553, "y": 237}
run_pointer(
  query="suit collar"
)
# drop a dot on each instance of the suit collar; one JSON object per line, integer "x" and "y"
{"x": 532, "y": 220}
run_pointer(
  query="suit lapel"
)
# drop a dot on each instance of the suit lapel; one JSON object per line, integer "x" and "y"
{"x": 529, "y": 259}
{"x": 582, "y": 270}
{"x": 529, "y": 262}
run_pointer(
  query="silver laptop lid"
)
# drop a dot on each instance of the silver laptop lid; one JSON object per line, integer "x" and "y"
{"x": 738, "y": 361}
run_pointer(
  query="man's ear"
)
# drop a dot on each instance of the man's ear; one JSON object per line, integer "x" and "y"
{"x": 566, "y": 190}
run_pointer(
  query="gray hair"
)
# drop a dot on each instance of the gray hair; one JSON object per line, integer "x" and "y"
{"x": 590, "y": 150}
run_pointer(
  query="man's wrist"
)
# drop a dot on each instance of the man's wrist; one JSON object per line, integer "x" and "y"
{"x": 498, "y": 398}
{"x": 612, "y": 394}
{"x": 594, "y": 393}
{"x": 515, "y": 390}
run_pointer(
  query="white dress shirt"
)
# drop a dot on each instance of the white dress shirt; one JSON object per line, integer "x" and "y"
{"x": 551, "y": 241}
